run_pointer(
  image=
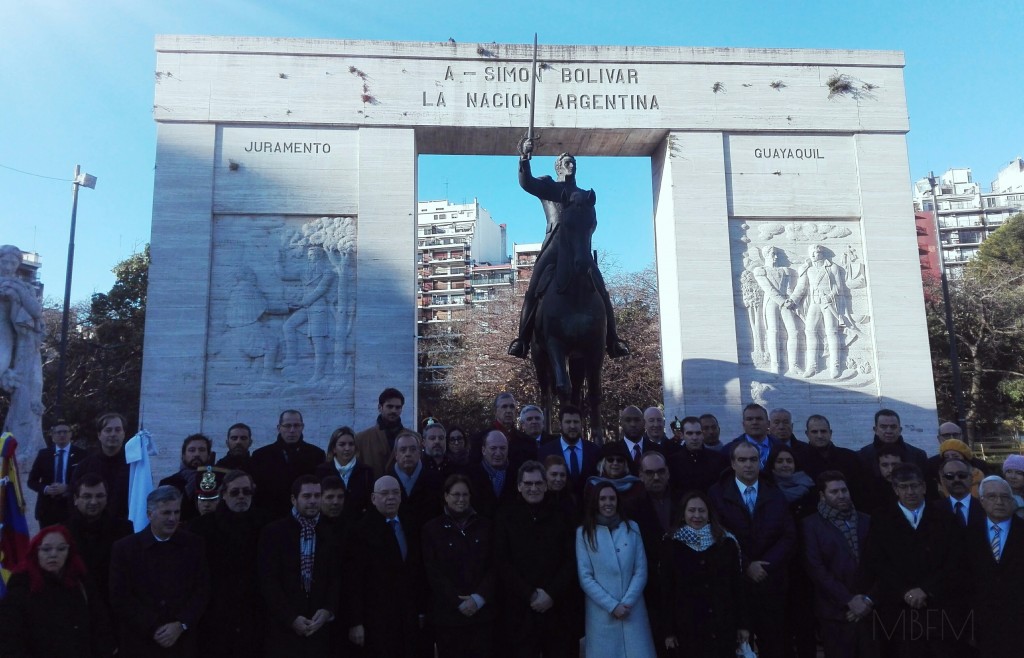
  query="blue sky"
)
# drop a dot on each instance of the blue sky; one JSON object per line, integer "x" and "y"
{"x": 76, "y": 83}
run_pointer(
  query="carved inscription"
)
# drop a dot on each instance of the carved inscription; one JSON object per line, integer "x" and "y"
{"x": 565, "y": 76}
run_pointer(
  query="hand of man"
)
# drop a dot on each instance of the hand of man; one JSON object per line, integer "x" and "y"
{"x": 357, "y": 635}
{"x": 301, "y": 625}
{"x": 468, "y": 606}
{"x": 320, "y": 618}
{"x": 916, "y": 598}
{"x": 55, "y": 489}
{"x": 168, "y": 634}
{"x": 756, "y": 571}
{"x": 859, "y": 606}
{"x": 540, "y": 601}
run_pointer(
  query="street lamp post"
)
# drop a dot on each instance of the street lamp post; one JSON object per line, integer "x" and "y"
{"x": 954, "y": 353}
{"x": 81, "y": 180}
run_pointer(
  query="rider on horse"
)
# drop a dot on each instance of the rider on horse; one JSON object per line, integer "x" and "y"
{"x": 555, "y": 196}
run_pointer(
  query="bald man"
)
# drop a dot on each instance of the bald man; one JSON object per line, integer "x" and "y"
{"x": 384, "y": 577}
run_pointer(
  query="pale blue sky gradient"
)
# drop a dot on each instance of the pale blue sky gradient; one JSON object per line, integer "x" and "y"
{"x": 76, "y": 86}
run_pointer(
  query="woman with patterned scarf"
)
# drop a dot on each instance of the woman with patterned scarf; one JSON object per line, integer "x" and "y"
{"x": 702, "y": 605}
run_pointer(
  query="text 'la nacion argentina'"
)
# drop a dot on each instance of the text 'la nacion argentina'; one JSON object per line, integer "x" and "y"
{"x": 561, "y": 101}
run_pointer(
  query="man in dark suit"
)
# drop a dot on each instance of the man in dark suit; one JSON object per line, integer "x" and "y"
{"x": 492, "y": 479}
{"x": 694, "y": 466}
{"x": 276, "y": 466}
{"x": 652, "y": 512}
{"x": 758, "y": 514}
{"x": 580, "y": 456}
{"x": 531, "y": 423}
{"x": 889, "y": 431}
{"x": 913, "y": 570}
{"x": 780, "y": 428}
{"x": 521, "y": 447}
{"x": 967, "y": 511}
{"x": 384, "y": 580}
{"x": 196, "y": 452}
{"x": 823, "y": 455}
{"x": 239, "y": 442}
{"x": 159, "y": 582}
{"x": 995, "y": 559}
{"x": 755, "y": 432}
{"x": 421, "y": 487}
{"x": 833, "y": 542}
{"x": 299, "y": 578}
{"x": 51, "y": 472}
{"x": 95, "y": 530}
{"x": 635, "y": 443}
{"x": 655, "y": 437}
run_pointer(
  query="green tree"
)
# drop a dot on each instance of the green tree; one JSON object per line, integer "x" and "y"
{"x": 104, "y": 355}
{"x": 1005, "y": 245}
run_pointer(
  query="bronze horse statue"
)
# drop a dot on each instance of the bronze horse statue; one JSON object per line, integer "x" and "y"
{"x": 568, "y": 341}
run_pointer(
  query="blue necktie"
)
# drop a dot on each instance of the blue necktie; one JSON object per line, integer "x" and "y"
{"x": 574, "y": 463}
{"x": 996, "y": 542}
{"x": 400, "y": 537}
{"x": 750, "y": 497}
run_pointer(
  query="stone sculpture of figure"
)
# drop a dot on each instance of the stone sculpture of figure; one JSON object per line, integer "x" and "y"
{"x": 753, "y": 301}
{"x": 247, "y": 312}
{"x": 21, "y": 366}
{"x": 779, "y": 311}
{"x": 823, "y": 284}
{"x": 856, "y": 277}
{"x": 555, "y": 197}
{"x": 314, "y": 313}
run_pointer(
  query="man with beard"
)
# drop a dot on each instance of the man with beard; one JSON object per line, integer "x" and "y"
{"x": 375, "y": 443}
{"x": 276, "y": 466}
{"x": 195, "y": 454}
{"x": 580, "y": 456}
{"x": 95, "y": 530}
{"x": 834, "y": 540}
{"x": 239, "y": 443}
{"x": 823, "y": 455}
{"x": 232, "y": 626}
{"x": 298, "y": 576}
{"x": 435, "y": 453}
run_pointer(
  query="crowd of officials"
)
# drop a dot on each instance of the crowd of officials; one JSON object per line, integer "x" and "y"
{"x": 510, "y": 542}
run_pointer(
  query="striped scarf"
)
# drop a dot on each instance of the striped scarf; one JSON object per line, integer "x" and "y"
{"x": 307, "y": 547}
{"x": 846, "y": 522}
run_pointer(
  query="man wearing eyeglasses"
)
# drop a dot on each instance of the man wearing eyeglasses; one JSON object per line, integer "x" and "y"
{"x": 995, "y": 555}
{"x": 913, "y": 570}
{"x": 276, "y": 466}
{"x": 234, "y": 620}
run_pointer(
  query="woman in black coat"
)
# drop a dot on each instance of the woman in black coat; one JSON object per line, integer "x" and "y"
{"x": 702, "y": 611}
{"x": 342, "y": 462}
{"x": 51, "y": 608}
{"x": 458, "y": 560}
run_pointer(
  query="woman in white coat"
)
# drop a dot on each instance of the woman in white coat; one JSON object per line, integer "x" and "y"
{"x": 613, "y": 571}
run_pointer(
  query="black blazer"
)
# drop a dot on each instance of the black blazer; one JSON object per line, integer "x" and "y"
{"x": 49, "y": 509}
{"x": 995, "y": 589}
{"x": 975, "y": 513}
{"x": 360, "y": 486}
{"x": 284, "y": 598}
{"x": 588, "y": 463}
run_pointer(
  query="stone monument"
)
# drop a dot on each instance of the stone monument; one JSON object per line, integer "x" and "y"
{"x": 283, "y": 243}
{"x": 21, "y": 366}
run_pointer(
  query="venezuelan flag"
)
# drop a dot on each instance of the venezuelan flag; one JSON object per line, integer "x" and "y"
{"x": 13, "y": 524}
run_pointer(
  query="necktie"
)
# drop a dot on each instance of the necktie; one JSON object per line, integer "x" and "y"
{"x": 574, "y": 463}
{"x": 916, "y": 513}
{"x": 996, "y": 543}
{"x": 960, "y": 516}
{"x": 399, "y": 537}
{"x": 636, "y": 453}
{"x": 58, "y": 475}
{"x": 749, "y": 497}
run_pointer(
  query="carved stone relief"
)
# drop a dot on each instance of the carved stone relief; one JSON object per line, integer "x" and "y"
{"x": 282, "y": 307}
{"x": 802, "y": 302}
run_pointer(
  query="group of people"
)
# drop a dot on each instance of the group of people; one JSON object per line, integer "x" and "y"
{"x": 511, "y": 542}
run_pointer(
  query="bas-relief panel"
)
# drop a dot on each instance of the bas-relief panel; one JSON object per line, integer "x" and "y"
{"x": 281, "y": 308}
{"x": 802, "y": 308}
